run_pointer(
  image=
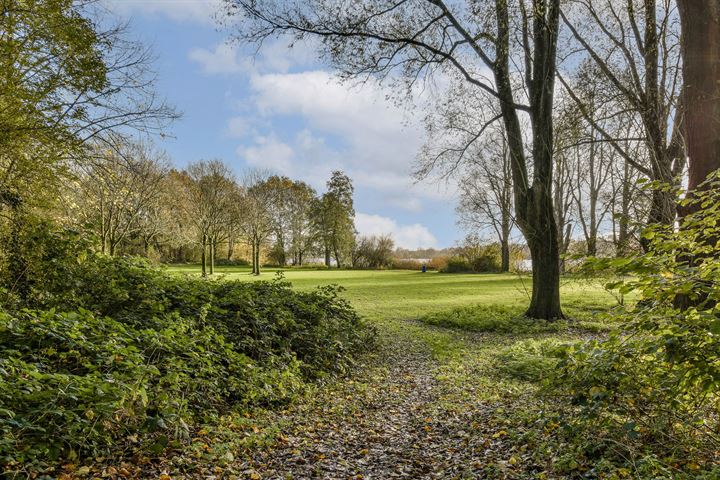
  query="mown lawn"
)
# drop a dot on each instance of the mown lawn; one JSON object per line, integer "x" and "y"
{"x": 407, "y": 294}
{"x": 455, "y": 351}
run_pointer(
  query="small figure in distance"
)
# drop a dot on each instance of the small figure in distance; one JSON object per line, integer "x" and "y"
{"x": 424, "y": 268}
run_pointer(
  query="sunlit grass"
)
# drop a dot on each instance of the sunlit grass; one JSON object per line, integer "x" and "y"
{"x": 406, "y": 294}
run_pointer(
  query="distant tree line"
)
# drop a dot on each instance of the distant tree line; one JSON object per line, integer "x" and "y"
{"x": 133, "y": 202}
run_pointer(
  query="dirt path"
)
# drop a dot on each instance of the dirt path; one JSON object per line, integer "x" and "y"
{"x": 388, "y": 423}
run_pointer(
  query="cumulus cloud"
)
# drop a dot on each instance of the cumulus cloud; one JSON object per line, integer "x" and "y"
{"x": 269, "y": 153}
{"x": 377, "y": 142}
{"x": 222, "y": 59}
{"x": 191, "y": 11}
{"x": 405, "y": 236}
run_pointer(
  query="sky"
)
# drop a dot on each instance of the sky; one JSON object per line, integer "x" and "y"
{"x": 284, "y": 112}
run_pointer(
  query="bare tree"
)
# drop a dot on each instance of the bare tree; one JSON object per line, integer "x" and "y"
{"x": 486, "y": 197}
{"x": 258, "y": 223}
{"x": 634, "y": 48}
{"x": 207, "y": 204}
{"x": 117, "y": 189}
{"x": 515, "y": 43}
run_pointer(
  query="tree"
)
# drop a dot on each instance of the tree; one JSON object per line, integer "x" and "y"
{"x": 372, "y": 251}
{"x": 300, "y": 225}
{"x": 589, "y": 163}
{"x": 633, "y": 48}
{"x": 209, "y": 196}
{"x": 258, "y": 223}
{"x": 334, "y": 215}
{"x": 119, "y": 187}
{"x": 486, "y": 197}
{"x": 64, "y": 81}
{"x": 420, "y": 38}
{"x": 701, "y": 87}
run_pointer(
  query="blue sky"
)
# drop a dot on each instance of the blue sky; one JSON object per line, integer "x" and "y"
{"x": 284, "y": 112}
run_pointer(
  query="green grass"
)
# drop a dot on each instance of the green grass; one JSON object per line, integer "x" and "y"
{"x": 487, "y": 356}
{"x": 406, "y": 294}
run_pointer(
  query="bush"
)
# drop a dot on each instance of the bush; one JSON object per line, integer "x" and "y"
{"x": 457, "y": 265}
{"x": 262, "y": 319}
{"x": 116, "y": 348}
{"x": 482, "y": 262}
{"x": 406, "y": 264}
{"x": 531, "y": 360}
{"x": 651, "y": 390}
{"x": 438, "y": 264}
{"x": 77, "y": 382}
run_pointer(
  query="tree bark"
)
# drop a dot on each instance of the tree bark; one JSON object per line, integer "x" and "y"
{"x": 212, "y": 255}
{"x": 504, "y": 255}
{"x": 700, "y": 21}
{"x": 534, "y": 207}
{"x": 256, "y": 260}
{"x": 545, "y": 300}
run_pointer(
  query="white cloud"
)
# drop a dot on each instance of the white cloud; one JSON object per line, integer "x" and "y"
{"x": 238, "y": 127}
{"x": 222, "y": 59}
{"x": 269, "y": 153}
{"x": 190, "y": 11}
{"x": 405, "y": 236}
{"x": 376, "y": 141}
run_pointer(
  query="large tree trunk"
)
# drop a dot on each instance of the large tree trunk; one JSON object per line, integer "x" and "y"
{"x": 256, "y": 260}
{"x": 231, "y": 248}
{"x": 252, "y": 256}
{"x": 541, "y": 233}
{"x": 534, "y": 207}
{"x": 545, "y": 300}
{"x": 700, "y": 22}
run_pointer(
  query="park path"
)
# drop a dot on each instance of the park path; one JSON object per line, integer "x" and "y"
{"x": 390, "y": 421}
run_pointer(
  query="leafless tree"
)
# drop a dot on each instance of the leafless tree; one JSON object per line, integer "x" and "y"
{"x": 208, "y": 200}
{"x": 118, "y": 189}
{"x": 257, "y": 224}
{"x": 486, "y": 197}
{"x": 634, "y": 47}
{"x": 505, "y": 49}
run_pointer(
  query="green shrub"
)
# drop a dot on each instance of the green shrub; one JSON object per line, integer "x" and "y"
{"x": 406, "y": 264}
{"x": 76, "y": 382}
{"x": 484, "y": 262}
{"x": 491, "y": 318}
{"x": 115, "y": 348}
{"x": 457, "y": 265}
{"x": 264, "y": 320}
{"x": 652, "y": 389}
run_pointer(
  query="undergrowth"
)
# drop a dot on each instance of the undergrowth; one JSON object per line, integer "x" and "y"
{"x": 115, "y": 352}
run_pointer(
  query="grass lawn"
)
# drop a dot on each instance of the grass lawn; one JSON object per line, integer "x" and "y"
{"x": 455, "y": 350}
{"x": 407, "y": 294}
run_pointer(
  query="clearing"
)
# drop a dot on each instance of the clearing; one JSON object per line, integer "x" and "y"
{"x": 445, "y": 396}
